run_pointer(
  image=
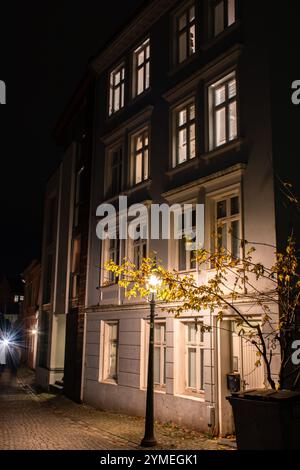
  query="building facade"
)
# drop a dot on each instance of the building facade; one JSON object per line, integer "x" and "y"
{"x": 30, "y": 312}
{"x": 182, "y": 111}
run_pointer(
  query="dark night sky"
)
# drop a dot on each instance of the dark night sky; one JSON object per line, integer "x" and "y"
{"x": 44, "y": 50}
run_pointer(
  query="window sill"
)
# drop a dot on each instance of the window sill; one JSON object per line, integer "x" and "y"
{"x": 221, "y": 36}
{"x": 194, "y": 162}
{"x": 188, "y": 396}
{"x": 135, "y": 99}
{"x": 156, "y": 390}
{"x": 178, "y": 67}
{"x": 223, "y": 149}
{"x": 110, "y": 117}
{"x": 108, "y": 382}
{"x": 137, "y": 187}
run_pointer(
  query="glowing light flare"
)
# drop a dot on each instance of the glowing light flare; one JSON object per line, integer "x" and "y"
{"x": 154, "y": 283}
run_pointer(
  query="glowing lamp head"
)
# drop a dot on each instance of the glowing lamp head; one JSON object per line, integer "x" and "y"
{"x": 154, "y": 283}
{"x": 5, "y": 342}
{"x": 34, "y": 331}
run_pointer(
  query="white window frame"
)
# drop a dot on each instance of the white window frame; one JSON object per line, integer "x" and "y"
{"x": 108, "y": 278}
{"x": 186, "y": 32}
{"x": 214, "y": 108}
{"x": 106, "y": 347}
{"x": 115, "y": 88}
{"x": 187, "y": 126}
{"x": 143, "y": 67}
{"x": 162, "y": 344}
{"x": 228, "y": 219}
{"x": 226, "y": 6}
{"x": 199, "y": 346}
{"x": 144, "y": 152}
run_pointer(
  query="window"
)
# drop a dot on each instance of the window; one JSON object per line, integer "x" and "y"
{"x": 185, "y": 34}
{"x": 194, "y": 358}
{"x": 111, "y": 347}
{"x": 223, "y": 100}
{"x": 139, "y": 251}
{"x": 114, "y": 172}
{"x": 113, "y": 255}
{"x": 141, "y": 68}
{"x": 16, "y": 299}
{"x": 224, "y": 15}
{"x": 48, "y": 279}
{"x": 227, "y": 229}
{"x": 159, "y": 354}
{"x": 116, "y": 89}
{"x": 140, "y": 151}
{"x": 75, "y": 268}
{"x": 44, "y": 339}
{"x": 186, "y": 255}
{"x": 78, "y": 196}
{"x": 185, "y": 133}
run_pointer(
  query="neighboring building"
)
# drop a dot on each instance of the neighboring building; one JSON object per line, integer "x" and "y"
{"x": 11, "y": 298}
{"x": 65, "y": 243}
{"x": 182, "y": 110}
{"x": 30, "y": 312}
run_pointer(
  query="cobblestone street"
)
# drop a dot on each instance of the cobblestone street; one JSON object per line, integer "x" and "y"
{"x": 51, "y": 422}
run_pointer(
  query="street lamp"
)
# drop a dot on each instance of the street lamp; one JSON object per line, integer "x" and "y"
{"x": 149, "y": 440}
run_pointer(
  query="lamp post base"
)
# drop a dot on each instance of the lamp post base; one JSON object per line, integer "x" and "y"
{"x": 148, "y": 442}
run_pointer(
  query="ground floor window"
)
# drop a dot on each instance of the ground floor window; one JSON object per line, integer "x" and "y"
{"x": 160, "y": 347}
{"x": 194, "y": 358}
{"x": 110, "y": 351}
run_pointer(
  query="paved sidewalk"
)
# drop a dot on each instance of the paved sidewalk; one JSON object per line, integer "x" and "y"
{"x": 52, "y": 422}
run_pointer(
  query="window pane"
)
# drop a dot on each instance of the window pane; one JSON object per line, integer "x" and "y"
{"x": 148, "y": 51}
{"x": 220, "y": 127}
{"x": 222, "y": 237}
{"x": 231, "y": 12}
{"x": 139, "y": 142}
{"x": 117, "y": 99}
{"x": 157, "y": 365}
{"x": 192, "y": 112}
{"x": 232, "y": 88}
{"x": 147, "y": 75}
{"x": 192, "y": 333}
{"x": 146, "y": 160}
{"x": 182, "y": 146}
{"x": 192, "y": 40}
{"x": 113, "y": 360}
{"x": 182, "y": 48}
{"x": 193, "y": 259}
{"x": 219, "y": 18}
{"x": 234, "y": 205}
{"x": 192, "y": 368}
{"x": 140, "y": 81}
{"x": 182, "y": 117}
{"x": 182, "y": 255}
{"x": 117, "y": 78}
{"x": 138, "y": 168}
{"x": 221, "y": 209}
{"x": 192, "y": 141}
{"x": 113, "y": 332}
{"x": 140, "y": 57}
{"x": 232, "y": 121}
{"x": 157, "y": 333}
{"x": 235, "y": 242}
{"x": 220, "y": 95}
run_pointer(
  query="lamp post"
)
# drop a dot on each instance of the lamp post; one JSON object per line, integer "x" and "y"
{"x": 149, "y": 438}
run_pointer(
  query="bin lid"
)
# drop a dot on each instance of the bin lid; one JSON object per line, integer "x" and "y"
{"x": 267, "y": 394}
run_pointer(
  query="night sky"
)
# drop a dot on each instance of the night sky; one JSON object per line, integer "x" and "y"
{"x": 44, "y": 50}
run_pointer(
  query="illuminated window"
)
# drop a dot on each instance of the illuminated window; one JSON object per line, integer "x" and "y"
{"x": 117, "y": 89}
{"x": 140, "y": 156}
{"x": 160, "y": 347}
{"x": 194, "y": 353}
{"x": 223, "y": 107}
{"x": 110, "y": 353}
{"x": 16, "y": 299}
{"x": 186, "y": 253}
{"x": 141, "y": 68}
{"x": 185, "y": 137}
{"x": 139, "y": 251}
{"x": 75, "y": 268}
{"x": 227, "y": 224}
{"x": 224, "y": 15}
{"x": 185, "y": 34}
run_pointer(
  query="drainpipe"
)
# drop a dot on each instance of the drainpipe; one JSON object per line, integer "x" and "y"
{"x": 211, "y": 408}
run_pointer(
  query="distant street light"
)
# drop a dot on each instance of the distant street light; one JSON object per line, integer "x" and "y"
{"x": 149, "y": 440}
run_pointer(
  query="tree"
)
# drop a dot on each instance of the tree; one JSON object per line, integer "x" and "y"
{"x": 274, "y": 290}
